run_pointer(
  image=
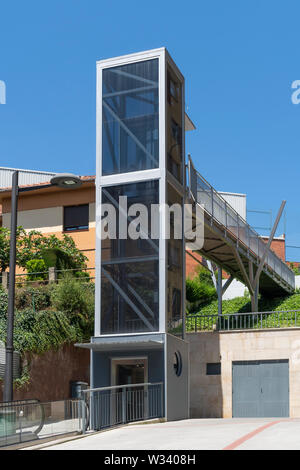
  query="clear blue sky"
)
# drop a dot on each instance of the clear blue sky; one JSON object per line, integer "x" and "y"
{"x": 239, "y": 59}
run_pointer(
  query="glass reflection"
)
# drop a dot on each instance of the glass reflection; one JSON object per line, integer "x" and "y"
{"x": 130, "y": 268}
{"x": 130, "y": 118}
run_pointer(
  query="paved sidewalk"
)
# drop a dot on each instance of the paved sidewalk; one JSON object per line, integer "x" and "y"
{"x": 196, "y": 434}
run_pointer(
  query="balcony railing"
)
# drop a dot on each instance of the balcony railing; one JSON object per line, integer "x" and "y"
{"x": 243, "y": 321}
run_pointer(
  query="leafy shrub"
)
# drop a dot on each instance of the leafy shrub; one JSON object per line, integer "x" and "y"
{"x": 58, "y": 259}
{"x": 3, "y": 302}
{"x": 40, "y": 331}
{"x": 76, "y": 299}
{"x": 46, "y": 317}
{"x": 295, "y": 269}
{"x": 36, "y": 269}
{"x": 52, "y": 329}
{"x": 37, "y": 298}
{"x": 82, "y": 275}
{"x": 35, "y": 245}
{"x": 198, "y": 293}
{"x": 204, "y": 276}
{"x": 243, "y": 305}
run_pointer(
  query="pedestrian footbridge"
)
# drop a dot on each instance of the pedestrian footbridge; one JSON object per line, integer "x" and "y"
{"x": 235, "y": 246}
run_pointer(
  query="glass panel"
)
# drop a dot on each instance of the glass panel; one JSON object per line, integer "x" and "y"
{"x": 30, "y": 420}
{"x": 243, "y": 231}
{"x": 232, "y": 221}
{"x": 175, "y": 260}
{"x": 145, "y": 193}
{"x": 204, "y": 195}
{"x": 129, "y": 286}
{"x": 130, "y": 118}
{"x": 253, "y": 242}
{"x": 175, "y": 135}
{"x": 129, "y": 297}
{"x": 219, "y": 209}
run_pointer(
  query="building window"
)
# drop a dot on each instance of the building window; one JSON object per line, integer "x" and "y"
{"x": 213, "y": 368}
{"x": 76, "y": 218}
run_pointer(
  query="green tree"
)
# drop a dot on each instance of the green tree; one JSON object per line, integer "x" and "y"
{"x": 31, "y": 245}
{"x": 5, "y": 246}
{"x": 34, "y": 244}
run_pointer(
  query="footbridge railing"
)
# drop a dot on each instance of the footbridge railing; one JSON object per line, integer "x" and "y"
{"x": 219, "y": 209}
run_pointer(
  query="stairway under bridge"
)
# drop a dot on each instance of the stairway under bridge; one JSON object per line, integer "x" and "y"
{"x": 235, "y": 247}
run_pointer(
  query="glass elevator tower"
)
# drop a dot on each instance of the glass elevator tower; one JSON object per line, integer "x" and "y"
{"x": 140, "y": 281}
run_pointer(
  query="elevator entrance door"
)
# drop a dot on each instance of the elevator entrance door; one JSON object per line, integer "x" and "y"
{"x": 133, "y": 401}
{"x": 130, "y": 373}
{"x": 127, "y": 371}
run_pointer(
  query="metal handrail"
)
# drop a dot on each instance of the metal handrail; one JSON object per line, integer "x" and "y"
{"x": 56, "y": 270}
{"x": 114, "y": 387}
{"x": 26, "y": 401}
{"x": 241, "y": 313}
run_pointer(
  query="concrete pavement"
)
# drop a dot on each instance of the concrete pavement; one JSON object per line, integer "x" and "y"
{"x": 195, "y": 434}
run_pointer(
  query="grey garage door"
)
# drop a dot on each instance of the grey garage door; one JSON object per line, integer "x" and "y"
{"x": 260, "y": 389}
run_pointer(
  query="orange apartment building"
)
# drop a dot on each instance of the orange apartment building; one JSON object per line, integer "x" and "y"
{"x": 52, "y": 210}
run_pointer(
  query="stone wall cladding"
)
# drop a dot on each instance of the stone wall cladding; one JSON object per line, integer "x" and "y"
{"x": 211, "y": 396}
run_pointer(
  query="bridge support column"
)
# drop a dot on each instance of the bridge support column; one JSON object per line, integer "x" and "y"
{"x": 254, "y": 279}
{"x": 217, "y": 282}
{"x": 254, "y": 294}
{"x": 254, "y": 299}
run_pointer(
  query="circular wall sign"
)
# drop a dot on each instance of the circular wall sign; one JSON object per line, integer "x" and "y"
{"x": 177, "y": 363}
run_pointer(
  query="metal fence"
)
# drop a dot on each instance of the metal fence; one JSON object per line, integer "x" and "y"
{"x": 224, "y": 214}
{"x": 243, "y": 321}
{"x": 45, "y": 277}
{"x": 112, "y": 406}
{"x": 29, "y": 420}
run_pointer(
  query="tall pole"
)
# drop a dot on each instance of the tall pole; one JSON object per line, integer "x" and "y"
{"x": 8, "y": 378}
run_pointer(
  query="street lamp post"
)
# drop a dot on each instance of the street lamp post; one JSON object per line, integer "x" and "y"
{"x": 64, "y": 180}
{"x": 8, "y": 377}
